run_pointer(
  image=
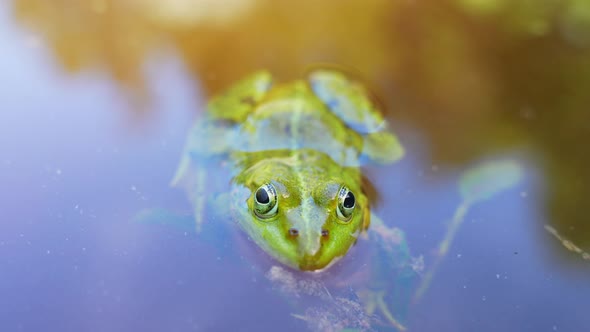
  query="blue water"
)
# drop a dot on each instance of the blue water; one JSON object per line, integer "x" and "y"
{"x": 76, "y": 166}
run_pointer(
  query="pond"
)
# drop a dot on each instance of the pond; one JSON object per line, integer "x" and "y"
{"x": 98, "y": 98}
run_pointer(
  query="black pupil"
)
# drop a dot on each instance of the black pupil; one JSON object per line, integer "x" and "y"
{"x": 349, "y": 200}
{"x": 262, "y": 196}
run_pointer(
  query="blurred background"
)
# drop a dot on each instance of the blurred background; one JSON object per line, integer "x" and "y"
{"x": 467, "y": 79}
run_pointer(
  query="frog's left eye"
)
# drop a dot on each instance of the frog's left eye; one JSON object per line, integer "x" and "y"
{"x": 346, "y": 204}
{"x": 266, "y": 201}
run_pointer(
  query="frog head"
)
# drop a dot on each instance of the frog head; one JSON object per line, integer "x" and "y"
{"x": 300, "y": 207}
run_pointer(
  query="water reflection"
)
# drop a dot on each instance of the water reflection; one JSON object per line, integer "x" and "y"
{"x": 475, "y": 75}
{"x": 474, "y": 78}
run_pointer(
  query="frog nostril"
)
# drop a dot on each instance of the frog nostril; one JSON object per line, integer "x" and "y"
{"x": 325, "y": 232}
{"x": 293, "y": 232}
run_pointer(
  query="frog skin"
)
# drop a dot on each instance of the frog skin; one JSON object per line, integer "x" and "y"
{"x": 292, "y": 152}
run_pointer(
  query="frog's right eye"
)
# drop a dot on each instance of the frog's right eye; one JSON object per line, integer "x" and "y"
{"x": 346, "y": 203}
{"x": 266, "y": 201}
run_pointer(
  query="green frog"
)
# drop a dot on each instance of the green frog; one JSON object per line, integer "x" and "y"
{"x": 283, "y": 161}
{"x": 292, "y": 154}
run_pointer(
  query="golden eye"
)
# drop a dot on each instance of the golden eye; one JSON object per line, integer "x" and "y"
{"x": 346, "y": 204}
{"x": 266, "y": 201}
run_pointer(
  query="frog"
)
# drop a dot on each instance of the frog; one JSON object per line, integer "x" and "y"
{"x": 292, "y": 154}
{"x": 284, "y": 163}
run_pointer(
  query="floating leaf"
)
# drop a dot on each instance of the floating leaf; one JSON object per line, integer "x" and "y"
{"x": 484, "y": 181}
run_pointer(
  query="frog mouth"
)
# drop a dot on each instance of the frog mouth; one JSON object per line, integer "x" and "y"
{"x": 316, "y": 263}
{"x": 310, "y": 264}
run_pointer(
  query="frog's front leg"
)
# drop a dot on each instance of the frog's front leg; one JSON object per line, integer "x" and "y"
{"x": 393, "y": 274}
{"x": 199, "y": 169}
{"x": 193, "y": 179}
{"x": 214, "y": 136}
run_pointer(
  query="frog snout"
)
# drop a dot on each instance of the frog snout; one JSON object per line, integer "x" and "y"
{"x": 309, "y": 241}
{"x": 294, "y": 232}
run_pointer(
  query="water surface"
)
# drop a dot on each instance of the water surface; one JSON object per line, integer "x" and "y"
{"x": 97, "y": 99}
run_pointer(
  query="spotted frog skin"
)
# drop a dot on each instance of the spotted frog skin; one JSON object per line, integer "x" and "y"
{"x": 292, "y": 152}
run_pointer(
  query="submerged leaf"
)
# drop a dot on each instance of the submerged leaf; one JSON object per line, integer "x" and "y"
{"x": 484, "y": 181}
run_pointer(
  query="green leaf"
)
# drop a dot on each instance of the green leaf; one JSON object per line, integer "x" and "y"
{"x": 484, "y": 181}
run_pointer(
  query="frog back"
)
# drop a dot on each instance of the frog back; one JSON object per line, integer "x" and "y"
{"x": 291, "y": 117}
{"x": 327, "y": 112}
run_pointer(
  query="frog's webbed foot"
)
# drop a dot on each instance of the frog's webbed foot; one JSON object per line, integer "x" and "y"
{"x": 375, "y": 304}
